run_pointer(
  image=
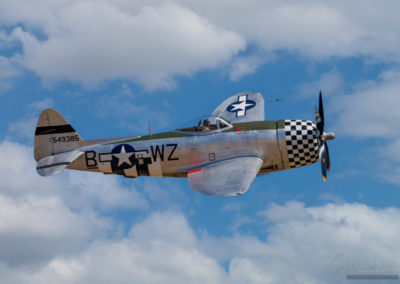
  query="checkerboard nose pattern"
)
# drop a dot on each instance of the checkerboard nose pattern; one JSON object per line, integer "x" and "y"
{"x": 301, "y": 142}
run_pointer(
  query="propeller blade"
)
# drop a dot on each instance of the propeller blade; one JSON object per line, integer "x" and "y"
{"x": 320, "y": 118}
{"x": 317, "y": 118}
{"x": 328, "y": 159}
{"x": 323, "y": 154}
{"x": 323, "y": 137}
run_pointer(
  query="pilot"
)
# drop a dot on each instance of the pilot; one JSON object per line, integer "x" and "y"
{"x": 205, "y": 126}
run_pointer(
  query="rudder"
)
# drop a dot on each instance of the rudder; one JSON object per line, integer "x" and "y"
{"x": 54, "y": 135}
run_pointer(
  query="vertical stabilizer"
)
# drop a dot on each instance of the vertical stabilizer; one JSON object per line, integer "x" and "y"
{"x": 242, "y": 107}
{"x": 54, "y": 135}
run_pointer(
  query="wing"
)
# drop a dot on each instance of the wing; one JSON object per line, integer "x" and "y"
{"x": 242, "y": 107}
{"x": 225, "y": 178}
{"x": 54, "y": 164}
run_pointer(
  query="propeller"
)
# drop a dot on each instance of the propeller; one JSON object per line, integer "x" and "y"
{"x": 323, "y": 137}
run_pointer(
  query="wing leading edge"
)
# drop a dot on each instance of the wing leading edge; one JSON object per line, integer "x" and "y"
{"x": 226, "y": 178}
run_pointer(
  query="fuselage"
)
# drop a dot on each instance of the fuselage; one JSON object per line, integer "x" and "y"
{"x": 282, "y": 144}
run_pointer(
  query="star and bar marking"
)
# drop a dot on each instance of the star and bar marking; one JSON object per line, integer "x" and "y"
{"x": 241, "y": 106}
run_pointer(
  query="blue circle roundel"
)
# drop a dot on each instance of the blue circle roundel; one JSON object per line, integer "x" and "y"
{"x": 123, "y": 157}
{"x": 241, "y": 106}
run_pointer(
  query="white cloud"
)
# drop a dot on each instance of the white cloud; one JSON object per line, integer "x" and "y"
{"x": 25, "y": 128}
{"x": 8, "y": 71}
{"x": 291, "y": 211}
{"x": 39, "y": 230}
{"x": 42, "y": 104}
{"x": 303, "y": 242}
{"x": 90, "y": 42}
{"x": 311, "y": 28}
{"x": 93, "y": 190}
{"x": 240, "y": 220}
{"x": 371, "y": 110}
{"x": 102, "y": 191}
{"x": 17, "y": 170}
{"x": 161, "y": 249}
{"x": 389, "y": 169}
{"x": 245, "y": 65}
{"x": 36, "y": 229}
{"x": 19, "y": 178}
{"x": 34, "y": 13}
{"x": 43, "y": 218}
{"x": 153, "y": 42}
{"x": 165, "y": 248}
{"x": 330, "y": 83}
{"x": 165, "y": 195}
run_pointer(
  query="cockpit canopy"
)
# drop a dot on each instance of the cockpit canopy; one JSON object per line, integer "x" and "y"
{"x": 204, "y": 125}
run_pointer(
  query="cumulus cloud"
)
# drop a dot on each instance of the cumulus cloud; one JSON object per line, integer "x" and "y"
{"x": 46, "y": 235}
{"x": 103, "y": 192}
{"x": 94, "y": 190}
{"x": 244, "y": 65}
{"x": 42, "y": 104}
{"x": 371, "y": 110}
{"x": 153, "y": 42}
{"x": 35, "y": 223}
{"x": 330, "y": 83}
{"x": 312, "y": 249}
{"x": 312, "y": 29}
{"x": 153, "y": 253}
{"x": 41, "y": 218}
{"x": 90, "y": 42}
{"x": 8, "y": 71}
{"x": 36, "y": 229}
{"x": 25, "y": 128}
{"x": 44, "y": 217}
{"x": 311, "y": 244}
{"x": 389, "y": 168}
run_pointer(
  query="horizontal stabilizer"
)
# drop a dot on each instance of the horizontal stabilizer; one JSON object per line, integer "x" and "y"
{"x": 54, "y": 164}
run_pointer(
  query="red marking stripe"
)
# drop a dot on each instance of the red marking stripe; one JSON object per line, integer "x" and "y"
{"x": 193, "y": 171}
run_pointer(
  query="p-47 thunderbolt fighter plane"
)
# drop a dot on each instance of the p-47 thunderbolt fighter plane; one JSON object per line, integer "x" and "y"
{"x": 220, "y": 154}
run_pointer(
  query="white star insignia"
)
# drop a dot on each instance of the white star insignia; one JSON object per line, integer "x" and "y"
{"x": 241, "y": 106}
{"x": 123, "y": 157}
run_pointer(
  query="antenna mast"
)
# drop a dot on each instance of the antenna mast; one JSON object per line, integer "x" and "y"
{"x": 149, "y": 129}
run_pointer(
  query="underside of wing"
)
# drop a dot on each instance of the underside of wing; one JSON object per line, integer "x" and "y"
{"x": 225, "y": 178}
{"x": 54, "y": 164}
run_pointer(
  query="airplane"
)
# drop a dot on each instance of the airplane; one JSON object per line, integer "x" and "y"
{"x": 220, "y": 154}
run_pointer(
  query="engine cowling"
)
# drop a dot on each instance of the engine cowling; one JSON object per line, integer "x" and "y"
{"x": 301, "y": 138}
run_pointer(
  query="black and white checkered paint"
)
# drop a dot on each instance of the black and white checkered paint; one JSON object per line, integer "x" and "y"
{"x": 301, "y": 142}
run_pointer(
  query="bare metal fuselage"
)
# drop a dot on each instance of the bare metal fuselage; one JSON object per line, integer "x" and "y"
{"x": 174, "y": 154}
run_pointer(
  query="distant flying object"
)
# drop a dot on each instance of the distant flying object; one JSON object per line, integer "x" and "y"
{"x": 220, "y": 154}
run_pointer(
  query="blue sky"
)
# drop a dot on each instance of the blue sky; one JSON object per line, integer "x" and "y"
{"x": 112, "y": 67}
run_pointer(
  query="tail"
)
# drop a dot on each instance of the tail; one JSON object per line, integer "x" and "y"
{"x": 54, "y": 135}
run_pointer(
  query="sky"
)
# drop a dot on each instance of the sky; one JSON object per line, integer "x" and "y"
{"x": 111, "y": 67}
